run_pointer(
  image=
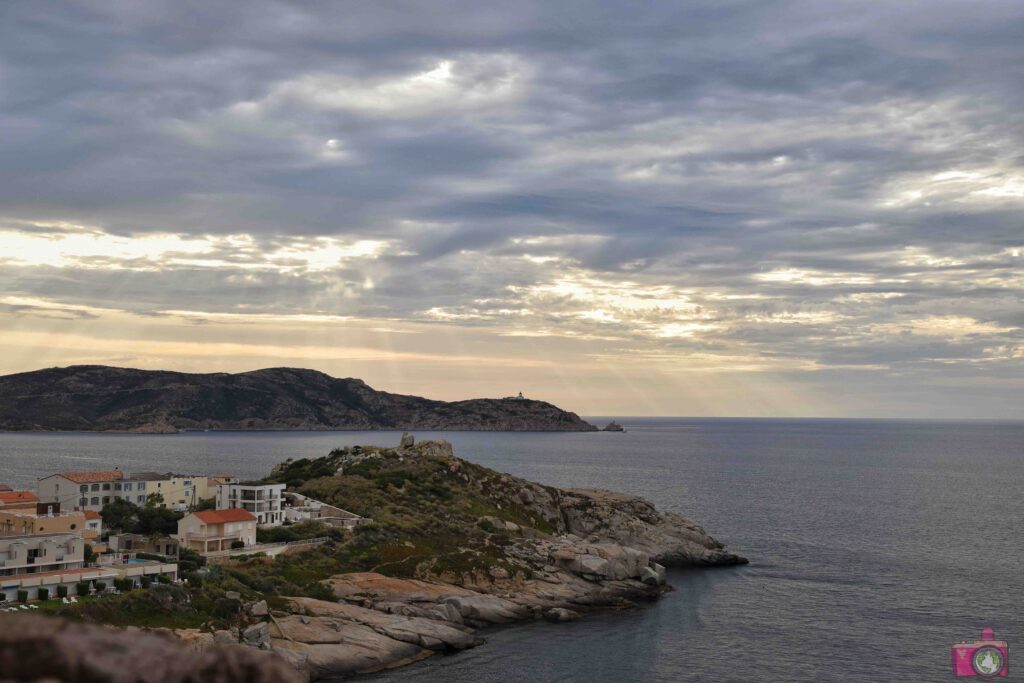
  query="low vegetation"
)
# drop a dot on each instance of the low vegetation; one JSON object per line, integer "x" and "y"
{"x": 149, "y": 519}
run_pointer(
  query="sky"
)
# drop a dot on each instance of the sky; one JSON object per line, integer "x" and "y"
{"x": 723, "y": 208}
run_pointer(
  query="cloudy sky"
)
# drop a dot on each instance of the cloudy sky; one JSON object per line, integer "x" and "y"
{"x": 627, "y": 208}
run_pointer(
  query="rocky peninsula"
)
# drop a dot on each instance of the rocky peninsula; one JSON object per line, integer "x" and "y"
{"x": 102, "y": 398}
{"x": 450, "y": 547}
{"x": 455, "y": 547}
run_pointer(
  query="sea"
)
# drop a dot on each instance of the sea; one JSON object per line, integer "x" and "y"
{"x": 874, "y": 545}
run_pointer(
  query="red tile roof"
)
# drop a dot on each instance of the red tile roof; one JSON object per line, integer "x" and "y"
{"x": 13, "y": 497}
{"x": 222, "y": 516}
{"x": 93, "y": 477}
{"x": 92, "y": 514}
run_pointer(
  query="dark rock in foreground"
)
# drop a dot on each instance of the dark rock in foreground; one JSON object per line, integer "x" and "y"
{"x": 36, "y": 648}
{"x": 101, "y": 398}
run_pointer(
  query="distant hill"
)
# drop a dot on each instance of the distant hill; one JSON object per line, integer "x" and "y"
{"x": 101, "y": 398}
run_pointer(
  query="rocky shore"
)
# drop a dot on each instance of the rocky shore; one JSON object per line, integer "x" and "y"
{"x": 542, "y": 554}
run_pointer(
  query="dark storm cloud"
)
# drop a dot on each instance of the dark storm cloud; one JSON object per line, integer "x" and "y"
{"x": 789, "y": 176}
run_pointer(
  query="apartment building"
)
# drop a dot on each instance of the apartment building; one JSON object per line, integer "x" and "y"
{"x": 178, "y": 491}
{"x": 92, "y": 490}
{"x": 265, "y": 501}
{"x": 84, "y": 490}
{"x": 40, "y": 553}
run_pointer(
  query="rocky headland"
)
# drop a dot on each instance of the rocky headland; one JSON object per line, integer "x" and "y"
{"x": 455, "y": 547}
{"x": 102, "y": 398}
{"x": 451, "y": 547}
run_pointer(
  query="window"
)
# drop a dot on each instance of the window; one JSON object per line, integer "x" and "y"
{"x": 74, "y": 526}
{"x": 83, "y": 501}
{"x": 95, "y": 487}
{"x": 188, "y": 482}
{"x": 106, "y": 487}
{"x": 141, "y": 499}
{"x": 94, "y": 501}
{"x": 128, "y": 487}
{"x": 106, "y": 499}
{"x": 117, "y": 487}
{"x": 83, "y": 488}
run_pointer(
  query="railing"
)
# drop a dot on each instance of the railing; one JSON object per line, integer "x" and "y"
{"x": 262, "y": 547}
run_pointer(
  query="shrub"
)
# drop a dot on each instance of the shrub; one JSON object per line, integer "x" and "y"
{"x": 145, "y": 581}
{"x": 124, "y": 585}
{"x": 164, "y": 578}
{"x": 62, "y": 591}
{"x": 100, "y": 586}
{"x": 22, "y": 596}
{"x": 193, "y": 578}
{"x": 82, "y": 588}
{"x": 226, "y": 609}
{"x": 189, "y": 555}
{"x": 44, "y": 593}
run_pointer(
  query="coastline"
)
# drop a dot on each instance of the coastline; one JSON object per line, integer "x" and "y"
{"x": 544, "y": 554}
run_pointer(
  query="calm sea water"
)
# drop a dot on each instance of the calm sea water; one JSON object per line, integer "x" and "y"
{"x": 874, "y": 544}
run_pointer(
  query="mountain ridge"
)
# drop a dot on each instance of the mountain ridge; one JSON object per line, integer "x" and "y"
{"x": 115, "y": 399}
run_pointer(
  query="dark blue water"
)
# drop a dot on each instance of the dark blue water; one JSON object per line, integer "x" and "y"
{"x": 874, "y": 544}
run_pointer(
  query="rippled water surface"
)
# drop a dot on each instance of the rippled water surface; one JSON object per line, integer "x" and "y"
{"x": 873, "y": 544}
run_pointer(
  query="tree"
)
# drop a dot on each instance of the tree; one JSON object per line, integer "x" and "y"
{"x": 157, "y": 521}
{"x": 206, "y": 504}
{"x": 89, "y": 554}
{"x": 121, "y": 515}
{"x": 154, "y": 500}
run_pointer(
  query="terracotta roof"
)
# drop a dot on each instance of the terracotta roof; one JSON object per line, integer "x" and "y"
{"x": 221, "y": 516}
{"x": 92, "y": 477}
{"x": 8, "y": 497}
{"x": 5, "y": 487}
{"x": 92, "y": 514}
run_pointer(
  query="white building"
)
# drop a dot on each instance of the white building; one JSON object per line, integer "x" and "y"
{"x": 265, "y": 501}
{"x": 40, "y": 554}
{"x": 82, "y": 490}
{"x": 211, "y": 531}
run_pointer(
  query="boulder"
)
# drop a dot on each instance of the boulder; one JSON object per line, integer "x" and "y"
{"x": 487, "y": 609}
{"x": 259, "y": 609}
{"x": 560, "y": 614}
{"x": 408, "y": 440}
{"x": 650, "y": 577}
{"x": 257, "y": 635}
{"x": 602, "y": 561}
{"x": 432, "y": 634}
{"x": 225, "y": 638}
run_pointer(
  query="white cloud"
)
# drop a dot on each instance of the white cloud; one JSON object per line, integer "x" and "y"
{"x": 468, "y": 81}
